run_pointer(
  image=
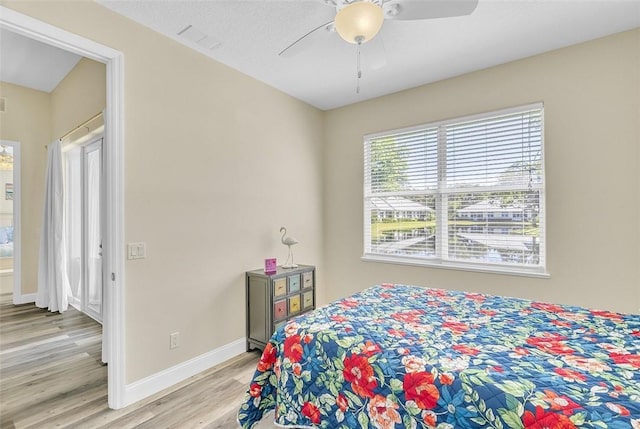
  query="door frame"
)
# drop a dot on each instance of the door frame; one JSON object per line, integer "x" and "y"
{"x": 18, "y": 298}
{"x": 113, "y": 239}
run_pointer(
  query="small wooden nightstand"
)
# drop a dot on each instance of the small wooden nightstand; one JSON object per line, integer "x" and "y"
{"x": 272, "y": 299}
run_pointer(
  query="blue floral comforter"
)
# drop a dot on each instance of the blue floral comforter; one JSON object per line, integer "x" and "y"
{"x": 396, "y": 356}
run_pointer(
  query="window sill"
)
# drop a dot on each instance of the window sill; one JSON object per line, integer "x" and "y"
{"x": 498, "y": 269}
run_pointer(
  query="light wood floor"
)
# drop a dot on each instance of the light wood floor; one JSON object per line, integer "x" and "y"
{"x": 51, "y": 376}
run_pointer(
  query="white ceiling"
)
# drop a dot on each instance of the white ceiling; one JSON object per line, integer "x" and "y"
{"x": 248, "y": 35}
{"x": 32, "y": 64}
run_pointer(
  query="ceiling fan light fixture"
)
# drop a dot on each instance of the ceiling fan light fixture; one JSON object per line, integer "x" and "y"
{"x": 359, "y": 22}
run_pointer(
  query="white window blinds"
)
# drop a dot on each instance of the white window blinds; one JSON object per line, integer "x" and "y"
{"x": 461, "y": 192}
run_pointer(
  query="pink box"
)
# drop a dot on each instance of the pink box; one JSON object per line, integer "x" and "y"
{"x": 270, "y": 266}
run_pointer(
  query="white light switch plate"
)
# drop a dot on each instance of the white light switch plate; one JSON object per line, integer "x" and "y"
{"x": 136, "y": 251}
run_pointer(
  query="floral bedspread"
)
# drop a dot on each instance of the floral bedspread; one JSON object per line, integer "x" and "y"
{"x": 397, "y": 356}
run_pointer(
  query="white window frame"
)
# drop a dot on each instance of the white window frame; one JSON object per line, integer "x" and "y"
{"x": 441, "y": 260}
{"x": 18, "y": 296}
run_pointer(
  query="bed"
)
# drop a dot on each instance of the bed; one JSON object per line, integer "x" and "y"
{"x": 399, "y": 356}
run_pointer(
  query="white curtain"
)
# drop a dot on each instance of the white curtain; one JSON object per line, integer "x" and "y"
{"x": 54, "y": 290}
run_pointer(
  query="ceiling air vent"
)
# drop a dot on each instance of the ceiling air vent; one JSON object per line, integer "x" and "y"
{"x": 199, "y": 37}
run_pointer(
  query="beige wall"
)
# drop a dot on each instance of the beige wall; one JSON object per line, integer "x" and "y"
{"x": 27, "y": 120}
{"x": 591, "y": 95}
{"x": 81, "y": 95}
{"x": 215, "y": 163}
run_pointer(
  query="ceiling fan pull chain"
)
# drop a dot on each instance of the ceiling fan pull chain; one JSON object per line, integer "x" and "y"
{"x": 358, "y": 68}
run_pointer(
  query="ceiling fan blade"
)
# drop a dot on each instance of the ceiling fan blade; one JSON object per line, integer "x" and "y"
{"x": 374, "y": 53}
{"x": 428, "y": 9}
{"x": 307, "y": 40}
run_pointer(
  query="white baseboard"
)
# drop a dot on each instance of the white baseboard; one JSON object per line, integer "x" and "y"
{"x": 24, "y": 299}
{"x": 159, "y": 381}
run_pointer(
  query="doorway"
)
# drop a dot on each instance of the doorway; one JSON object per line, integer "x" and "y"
{"x": 113, "y": 238}
{"x": 83, "y": 205}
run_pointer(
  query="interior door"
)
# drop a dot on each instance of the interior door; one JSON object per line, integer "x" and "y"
{"x": 92, "y": 229}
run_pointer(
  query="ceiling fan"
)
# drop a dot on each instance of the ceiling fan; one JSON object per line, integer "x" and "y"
{"x": 358, "y": 21}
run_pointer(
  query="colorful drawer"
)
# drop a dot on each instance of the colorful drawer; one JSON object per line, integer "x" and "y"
{"x": 280, "y": 310}
{"x": 280, "y": 287}
{"x": 307, "y": 280}
{"x": 294, "y": 304}
{"x": 307, "y": 300}
{"x": 294, "y": 283}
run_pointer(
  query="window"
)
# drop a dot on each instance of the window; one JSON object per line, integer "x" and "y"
{"x": 465, "y": 193}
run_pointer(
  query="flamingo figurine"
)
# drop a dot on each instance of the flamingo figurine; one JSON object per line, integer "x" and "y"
{"x": 288, "y": 241}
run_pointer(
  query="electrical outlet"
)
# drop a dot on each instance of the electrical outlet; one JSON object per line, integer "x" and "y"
{"x": 174, "y": 340}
